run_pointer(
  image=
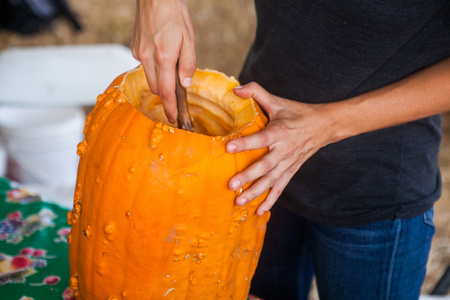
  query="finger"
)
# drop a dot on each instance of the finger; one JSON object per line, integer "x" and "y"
{"x": 269, "y": 136}
{"x": 261, "y": 167}
{"x": 150, "y": 74}
{"x": 143, "y": 55}
{"x": 187, "y": 62}
{"x": 136, "y": 39}
{"x": 165, "y": 73}
{"x": 134, "y": 45}
{"x": 261, "y": 185}
{"x": 258, "y": 140}
{"x": 275, "y": 192}
{"x": 258, "y": 93}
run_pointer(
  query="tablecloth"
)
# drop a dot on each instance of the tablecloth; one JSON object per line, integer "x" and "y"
{"x": 34, "y": 261}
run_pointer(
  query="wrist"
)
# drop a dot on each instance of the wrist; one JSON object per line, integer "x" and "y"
{"x": 339, "y": 126}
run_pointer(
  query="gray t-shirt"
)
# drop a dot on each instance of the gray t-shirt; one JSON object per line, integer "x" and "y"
{"x": 330, "y": 50}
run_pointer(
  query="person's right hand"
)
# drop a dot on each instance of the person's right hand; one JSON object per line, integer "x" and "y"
{"x": 164, "y": 35}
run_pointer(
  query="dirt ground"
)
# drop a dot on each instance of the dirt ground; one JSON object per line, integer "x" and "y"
{"x": 224, "y": 31}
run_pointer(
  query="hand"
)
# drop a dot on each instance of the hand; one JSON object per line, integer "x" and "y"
{"x": 294, "y": 133}
{"x": 164, "y": 35}
{"x": 298, "y": 130}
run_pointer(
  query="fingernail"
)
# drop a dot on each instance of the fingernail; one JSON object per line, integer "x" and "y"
{"x": 239, "y": 87}
{"x": 187, "y": 82}
{"x": 231, "y": 147}
{"x": 235, "y": 184}
{"x": 261, "y": 212}
{"x": 242, "y": 201}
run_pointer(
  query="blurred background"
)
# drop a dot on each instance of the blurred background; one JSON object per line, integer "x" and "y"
{"x": 224, "y": 31}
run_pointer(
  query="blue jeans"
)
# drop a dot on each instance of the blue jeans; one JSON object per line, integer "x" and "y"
{"x": 383, "y": 260}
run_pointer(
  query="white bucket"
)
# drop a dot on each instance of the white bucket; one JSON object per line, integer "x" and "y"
{"x": 41, "y": 144}
{"x": 3, "y": 158}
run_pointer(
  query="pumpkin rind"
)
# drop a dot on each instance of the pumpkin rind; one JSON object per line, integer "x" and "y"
{"x": 153, "y": 217}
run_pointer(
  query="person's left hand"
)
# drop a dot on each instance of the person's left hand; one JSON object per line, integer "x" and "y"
{"x": 294, "y": 133}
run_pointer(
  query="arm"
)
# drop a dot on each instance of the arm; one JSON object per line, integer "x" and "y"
{"x": 164, "y": 35}
{"x": 420, "y": 95}
{"x": 297, "y": 130}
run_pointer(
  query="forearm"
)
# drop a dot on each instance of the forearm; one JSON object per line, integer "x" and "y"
{"x": 420, "y": 95}
{"x": 164, "y": 36}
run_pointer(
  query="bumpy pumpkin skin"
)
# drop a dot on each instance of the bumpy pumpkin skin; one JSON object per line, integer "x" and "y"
{"x": 153, "y": 217}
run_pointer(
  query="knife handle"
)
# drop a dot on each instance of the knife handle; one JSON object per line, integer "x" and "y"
{"x": 183, "y": 118}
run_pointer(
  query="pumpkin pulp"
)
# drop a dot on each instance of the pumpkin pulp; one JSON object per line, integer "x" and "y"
{"x": 214, "y": 112}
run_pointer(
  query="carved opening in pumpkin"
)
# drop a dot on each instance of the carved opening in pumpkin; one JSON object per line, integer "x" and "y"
{"x": 214, "y": 108}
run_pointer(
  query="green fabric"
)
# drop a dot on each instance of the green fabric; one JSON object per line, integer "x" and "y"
{"x": 33, "y": 243}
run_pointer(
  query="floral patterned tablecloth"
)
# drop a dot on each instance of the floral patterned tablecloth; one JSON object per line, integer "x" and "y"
{"x": 34, "y": 263}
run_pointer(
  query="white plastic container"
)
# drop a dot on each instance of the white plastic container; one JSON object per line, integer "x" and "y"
{"x": 3, "y": 158}
{"x": 60, "y": 76}
{"x": 41, "y": 144}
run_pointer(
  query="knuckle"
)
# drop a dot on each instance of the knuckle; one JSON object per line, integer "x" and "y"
{"x": 273, "y": 196}
{"x": 266, "y": 166}
{"x": 134, "y": 53}
{"x": 283, "y": 128}
{"x": 161, "y": 57}
{"x": 142, "y": 54}
{"x": 134, "y": 46}
{"x": 272, "y": 181}
{"x": 240, "y": 144}
{"x": 263, "y": 139}
{"x": 252, "y": 84}
{"x": 244, "y": 179}
{"x": 165, "y": 94}
{"x": 277, "y": 192}
{"x": 291, "y": 150}
{"x": 251, "y": 195}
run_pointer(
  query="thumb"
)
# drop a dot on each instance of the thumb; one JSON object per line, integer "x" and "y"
{"x": 253, "y": 90}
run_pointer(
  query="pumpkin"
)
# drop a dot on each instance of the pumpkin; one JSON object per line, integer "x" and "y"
{"x": 153, "y": 217}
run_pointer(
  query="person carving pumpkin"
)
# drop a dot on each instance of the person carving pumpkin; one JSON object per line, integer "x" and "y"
{"x": 353, "y": 91}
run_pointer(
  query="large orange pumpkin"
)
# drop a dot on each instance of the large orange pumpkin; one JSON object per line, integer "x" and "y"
{"x": 153, "y": 217}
